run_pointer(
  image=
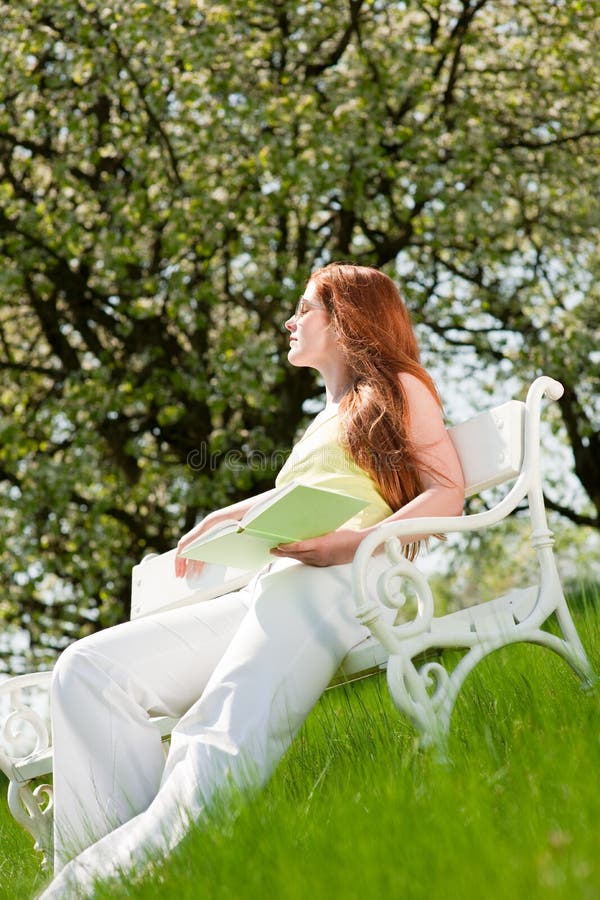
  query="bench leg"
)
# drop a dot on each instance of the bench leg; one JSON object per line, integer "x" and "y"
{"x": 427, "y": 695}
{"x": 24, "y": 738}
{"x": 33, "y": 809}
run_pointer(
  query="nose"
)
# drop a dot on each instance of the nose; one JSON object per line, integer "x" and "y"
{"x": 290, "y": 324}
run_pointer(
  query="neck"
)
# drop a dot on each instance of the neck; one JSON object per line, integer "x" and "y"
{"x": 336, "y": 375}
{"x": 337, "y": 388}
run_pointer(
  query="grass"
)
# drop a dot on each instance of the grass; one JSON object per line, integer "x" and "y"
{"x": 355, "y": 810}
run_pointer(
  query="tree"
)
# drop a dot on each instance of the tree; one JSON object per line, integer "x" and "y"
{"x": 170, "y": 174}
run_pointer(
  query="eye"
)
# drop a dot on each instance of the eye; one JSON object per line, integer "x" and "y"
{"x": 302, "y": 308}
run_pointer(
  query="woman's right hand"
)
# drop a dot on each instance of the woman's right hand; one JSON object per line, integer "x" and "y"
{"x": 191, "y": 567}
{"x": 183, "y": 565}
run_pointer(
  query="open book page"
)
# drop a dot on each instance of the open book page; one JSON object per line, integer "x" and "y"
{"x": 229, "y": 545}
{"x": 296, "y": 512}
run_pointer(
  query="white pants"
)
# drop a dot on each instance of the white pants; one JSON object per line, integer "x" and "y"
{"x": 243, "y": 670}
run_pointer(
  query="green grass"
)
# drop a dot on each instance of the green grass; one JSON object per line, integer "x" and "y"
{"x": 355, "y": 810}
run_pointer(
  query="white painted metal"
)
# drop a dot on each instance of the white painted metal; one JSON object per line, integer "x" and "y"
{"x": 25, "y": 755}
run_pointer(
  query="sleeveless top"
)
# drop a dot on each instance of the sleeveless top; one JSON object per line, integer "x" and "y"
{"x": 319, "y": 459}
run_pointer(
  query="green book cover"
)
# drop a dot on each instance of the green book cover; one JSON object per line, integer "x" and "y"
{"x": 294, "y": 513}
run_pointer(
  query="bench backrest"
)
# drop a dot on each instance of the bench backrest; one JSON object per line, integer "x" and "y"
{"x": 490, "y": 446}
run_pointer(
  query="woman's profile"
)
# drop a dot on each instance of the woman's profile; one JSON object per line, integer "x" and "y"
{"x": 244, "y": 670}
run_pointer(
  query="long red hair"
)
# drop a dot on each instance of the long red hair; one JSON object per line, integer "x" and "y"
{"x": 375, "y": 332}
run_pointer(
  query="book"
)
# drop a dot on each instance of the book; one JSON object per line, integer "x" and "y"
{"x": 293, "y": 513}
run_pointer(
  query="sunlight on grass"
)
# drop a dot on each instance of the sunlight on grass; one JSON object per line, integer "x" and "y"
{"x": 356, "y": 810}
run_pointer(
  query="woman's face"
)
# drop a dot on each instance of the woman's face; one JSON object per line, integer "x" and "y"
{"x": 312, "y": 338}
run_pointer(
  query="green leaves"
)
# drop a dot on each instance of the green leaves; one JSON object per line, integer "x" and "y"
{"x": 169, "y": 176}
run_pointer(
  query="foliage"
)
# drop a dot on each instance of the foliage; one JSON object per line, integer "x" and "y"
{"x": 169, "y": 175}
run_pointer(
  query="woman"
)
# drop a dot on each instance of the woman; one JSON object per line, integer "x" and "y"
{"x": 245, "y": 669}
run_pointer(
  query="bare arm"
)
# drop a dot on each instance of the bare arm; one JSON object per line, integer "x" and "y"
{"x": 443, "y": 481}
{"x": 442, "y": 495}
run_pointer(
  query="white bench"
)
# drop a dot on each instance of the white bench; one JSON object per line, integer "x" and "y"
{"x": 495, "y": 447}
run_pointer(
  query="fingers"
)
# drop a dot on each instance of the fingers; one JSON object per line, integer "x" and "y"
{"x": 303, "y": 551}
{"x": 328, "y": 550}
{"x": 183, "y": 565}
{"x": 180, "y": 566}
{"x": 295, "y": 547}
{"x": 194, "y": 567}
{"x": 187, "y": 567}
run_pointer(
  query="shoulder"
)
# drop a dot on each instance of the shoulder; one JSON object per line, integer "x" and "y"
{"x": 416, "y": 390}
{"x": 424, "y": 408}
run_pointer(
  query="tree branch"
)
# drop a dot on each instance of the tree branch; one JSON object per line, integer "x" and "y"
{"x": 30, "y": 368}
{"x": 522, "y": 143}
{"x": 153, "y": 118}
{"x": 571, "y": 515}
{"x": 312, "y": 70}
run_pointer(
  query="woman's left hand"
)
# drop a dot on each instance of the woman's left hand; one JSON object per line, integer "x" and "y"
{"x": 331, "y": 549}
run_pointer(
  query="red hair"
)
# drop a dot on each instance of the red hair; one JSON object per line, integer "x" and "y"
{"x": 375, "y": 332}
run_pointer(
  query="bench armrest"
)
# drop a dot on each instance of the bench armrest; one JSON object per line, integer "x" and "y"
{"x": 389, "y": 534}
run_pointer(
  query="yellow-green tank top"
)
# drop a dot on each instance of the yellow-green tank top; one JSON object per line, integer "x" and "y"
{"x": 318, "y": 458}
